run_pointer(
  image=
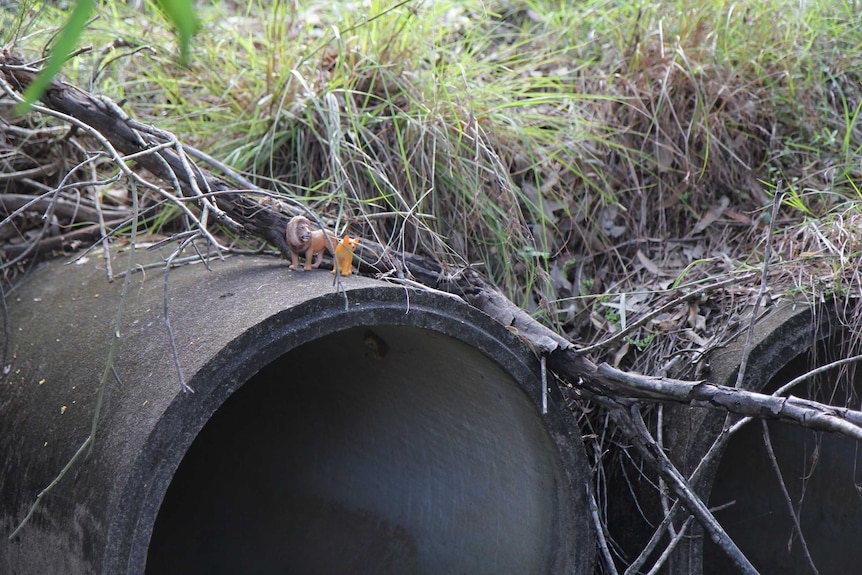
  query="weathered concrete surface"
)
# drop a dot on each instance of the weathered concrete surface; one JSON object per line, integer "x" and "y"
{"x": 779, "y": 336}
{"x": 788, "y": 330}
{"x": 460, "y": 385}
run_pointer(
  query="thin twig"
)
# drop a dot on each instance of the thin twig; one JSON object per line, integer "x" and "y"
{"x": 600, "y": 531}
{"x": 168, "y": 262}
{"x": 683, "y": 490}
{"x": 194, "y": 177}
{"x": 103, "y": 230}
{"x": 767, "y": 441}
{"x": 764, "y": 286}
{"x": 4, "y": 349}
{"x": 50, "y": 243}
{"x": 816, "y": 371}
{"x": 675, "y": 539}
{"x": 45, "y": 170}
{"x": 656, "y": 538}
{"x": 89, "y": 442}
{"x": 50, "y": 486}
{"x": 106, "y": 251}
{"x": 662, "y": 485}
{"x": 115, "y": 337}
{"x": 25, "y": 203}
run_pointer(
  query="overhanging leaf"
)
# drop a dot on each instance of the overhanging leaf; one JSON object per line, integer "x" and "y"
{"x": 182, "y": 15}
{"x": 66, "y": 42}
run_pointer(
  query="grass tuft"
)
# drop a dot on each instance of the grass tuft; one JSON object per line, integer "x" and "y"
{"x": 569, "y": 150}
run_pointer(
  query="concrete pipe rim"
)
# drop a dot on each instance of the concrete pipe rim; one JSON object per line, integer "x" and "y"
{"x": 129, "y": 535}
{"x": 782, "y": 334}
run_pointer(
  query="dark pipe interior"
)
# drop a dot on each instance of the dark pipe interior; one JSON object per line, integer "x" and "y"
{"x": 823, "y": 471}
{"x": 397, "y": 451}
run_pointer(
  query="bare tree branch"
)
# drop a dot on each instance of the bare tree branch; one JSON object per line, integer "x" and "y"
{"x": 803, "y": 412}
{"x": 767, "y": 441}
{"x": 563, "y": 358}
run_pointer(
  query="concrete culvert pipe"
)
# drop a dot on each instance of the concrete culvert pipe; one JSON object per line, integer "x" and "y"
{"x": 379, "y": 430}
{"x": 820, "y": 471}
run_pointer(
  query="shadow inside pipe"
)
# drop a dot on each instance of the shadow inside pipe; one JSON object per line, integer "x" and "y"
{"x": 397, "y": 451}
{"x": 822, "y": 473}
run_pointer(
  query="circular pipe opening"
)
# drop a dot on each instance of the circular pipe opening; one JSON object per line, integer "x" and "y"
{"x": 822, "y": 473}
{"x": 820, "y": 470}
{"x": 374, "y": 429}
{"x": 396, "y": 450}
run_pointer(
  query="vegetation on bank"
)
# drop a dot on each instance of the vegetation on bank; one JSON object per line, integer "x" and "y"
{"x": 591, "y": 157}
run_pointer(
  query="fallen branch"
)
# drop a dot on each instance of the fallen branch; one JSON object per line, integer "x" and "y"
{"x": 131, "y": 138}
{"x": 13, "y": 204}
{"x": 265, "y": 221}
{"x": 803, "y": 412}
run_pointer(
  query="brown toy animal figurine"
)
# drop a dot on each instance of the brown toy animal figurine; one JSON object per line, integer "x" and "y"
{"x": 344, "y": 255}
{"x": 302, "y": 240}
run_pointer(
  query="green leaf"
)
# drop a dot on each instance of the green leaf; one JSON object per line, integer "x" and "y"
{"x": 182, "y": 15}
{"x": 66, "y": 42}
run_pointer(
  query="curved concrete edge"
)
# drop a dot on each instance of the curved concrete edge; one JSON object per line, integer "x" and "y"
{"x": 219, "y": 350}
{"x": 779, "y": 336}
{"x": 785, "y": 332}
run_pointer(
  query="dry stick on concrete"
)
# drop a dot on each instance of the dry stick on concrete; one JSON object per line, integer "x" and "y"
{"x": 168, "y": 263}
{"x": 87, "y": 445}
{"x": 100, "y": 213}
{"x": 764, "y": 280}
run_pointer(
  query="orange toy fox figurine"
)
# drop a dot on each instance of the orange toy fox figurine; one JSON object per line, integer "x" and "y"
{"x": 344, "y": 255}
{"x": 302, "y": 240}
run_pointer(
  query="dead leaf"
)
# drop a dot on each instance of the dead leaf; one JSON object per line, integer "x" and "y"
{"x": 737, "y": 217}
{"x": 691, "y": 336}
{"x": 710, "y": 216}
{"x": 597, "y": 320}
{"x": 647, "y": 263}
{"x": 621, "y": 353}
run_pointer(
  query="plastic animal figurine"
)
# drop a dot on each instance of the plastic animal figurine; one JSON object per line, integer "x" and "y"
{"x": 303, "y": 241}
{"x": 344, "y": 256}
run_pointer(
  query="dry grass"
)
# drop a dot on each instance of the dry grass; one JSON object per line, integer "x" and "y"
{"x": 593, "y": 159}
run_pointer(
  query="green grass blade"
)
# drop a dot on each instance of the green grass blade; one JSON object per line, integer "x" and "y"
{"x": 66, "y": 42}
{"x": 182, "y": 15}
